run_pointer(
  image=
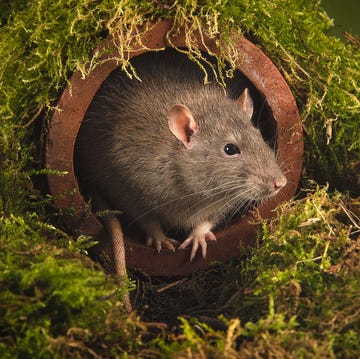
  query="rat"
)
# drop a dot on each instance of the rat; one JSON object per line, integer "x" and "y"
{"x": 173, "y": 152}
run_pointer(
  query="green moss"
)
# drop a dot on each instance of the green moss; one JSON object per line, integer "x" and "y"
{"x": 295, "y": 295}
{"x": 307, "y": 268}
{"x": 52, "y": 298}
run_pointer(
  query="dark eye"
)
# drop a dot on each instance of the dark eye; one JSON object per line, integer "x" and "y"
{"x": 230, "y": 149}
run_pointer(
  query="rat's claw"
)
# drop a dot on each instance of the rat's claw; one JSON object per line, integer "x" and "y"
{"x": 158, "y": 243}
{"x": 186, "y": 243}
{"x": 194, "y": 249}
{"x": 203, "y": 245}
{"x": 196, "y": 240}
{"x": 170, "y": 244}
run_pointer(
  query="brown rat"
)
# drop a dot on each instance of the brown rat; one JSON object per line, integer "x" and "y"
{"x": 172, "y": 152}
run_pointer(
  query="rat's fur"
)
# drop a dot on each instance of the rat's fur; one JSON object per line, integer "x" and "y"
{"x": 126, "y": 151}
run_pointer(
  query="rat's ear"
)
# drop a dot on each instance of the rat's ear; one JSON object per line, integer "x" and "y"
{"x": 246, "y": 103}
{"x": 181, "y": 123}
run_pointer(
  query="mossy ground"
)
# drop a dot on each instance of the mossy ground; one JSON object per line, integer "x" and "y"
{"x": 295, "y": 295}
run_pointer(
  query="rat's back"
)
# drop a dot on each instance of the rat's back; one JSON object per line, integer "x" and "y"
{"x": 124, "y": 147}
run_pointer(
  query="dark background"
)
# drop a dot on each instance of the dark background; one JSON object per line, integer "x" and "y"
{"x": 346, "y": 15}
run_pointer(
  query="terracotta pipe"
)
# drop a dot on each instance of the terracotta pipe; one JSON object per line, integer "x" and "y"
{"x": 73, "y": 105}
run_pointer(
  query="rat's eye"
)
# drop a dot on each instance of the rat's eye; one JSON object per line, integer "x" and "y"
{"x": 230, "y": 149}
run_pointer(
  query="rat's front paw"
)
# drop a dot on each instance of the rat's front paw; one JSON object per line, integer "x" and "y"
{"x": 163, "y": 242}
{"x": 198, "y": 239}
{"x": 157, "y": 238}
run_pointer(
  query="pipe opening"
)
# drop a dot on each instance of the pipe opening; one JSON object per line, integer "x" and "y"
{"x": 177, "y": 65}
{"x": 277, "y": 116}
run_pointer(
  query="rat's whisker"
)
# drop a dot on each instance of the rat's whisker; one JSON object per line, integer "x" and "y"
{"x": 227, "y": 189}
{"x": 225, "y": 200}
{"x": 180, "y": 198}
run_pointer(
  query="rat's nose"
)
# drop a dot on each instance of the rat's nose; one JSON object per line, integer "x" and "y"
{"x": 280, "y": 182}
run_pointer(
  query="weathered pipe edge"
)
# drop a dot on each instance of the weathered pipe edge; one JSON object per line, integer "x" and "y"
{"x": 66, "y": 122}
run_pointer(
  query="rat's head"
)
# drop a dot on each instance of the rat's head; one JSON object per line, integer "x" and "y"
{"x": 223, "y": 152}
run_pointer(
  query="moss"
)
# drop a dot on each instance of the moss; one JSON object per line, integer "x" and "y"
{"x": 54, "y": 300}
{"x": 296, "y": 295}
{"x": 307, "y": 267}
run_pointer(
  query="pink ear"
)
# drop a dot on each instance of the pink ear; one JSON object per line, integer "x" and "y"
{"x": 181, "y": 123}
{"x": 246, "y": 103}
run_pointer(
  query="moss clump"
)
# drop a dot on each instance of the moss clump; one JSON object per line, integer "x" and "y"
{"x": 295, "y": 295}
{"x": 55, "y": 301}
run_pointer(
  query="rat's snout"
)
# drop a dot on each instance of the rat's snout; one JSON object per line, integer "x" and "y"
{"x": 280, "y": 182}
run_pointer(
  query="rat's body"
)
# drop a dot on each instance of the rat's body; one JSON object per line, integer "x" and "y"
{"x": 173, "y": 153}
